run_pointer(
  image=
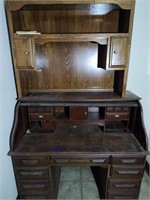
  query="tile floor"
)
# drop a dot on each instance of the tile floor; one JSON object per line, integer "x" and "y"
{"x": 77, "y": 183}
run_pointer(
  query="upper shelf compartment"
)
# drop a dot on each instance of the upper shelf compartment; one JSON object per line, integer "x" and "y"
{"x": 71, "y": 18}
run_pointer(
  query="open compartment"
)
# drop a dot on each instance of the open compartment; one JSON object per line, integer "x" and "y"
{"x": 71, "y": 18}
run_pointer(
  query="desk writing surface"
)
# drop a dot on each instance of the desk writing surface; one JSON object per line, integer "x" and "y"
{"x": 79, "y": 139}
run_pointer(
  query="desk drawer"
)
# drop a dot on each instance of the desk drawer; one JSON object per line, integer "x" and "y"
{"x": 116, "y": 116}
{"x": 34, "y": 195}
{"x": 124, "y": 184}
{"x": 30, "y": 161}
{"x": 80, "y": 161}
{"x": 122, "y": 194}
{"x": 128, "y": 160}
{"x": 33, "y": 184}
{"x": 40, "y": 116}
{"x": 126, "y": 172}
{"x": 36, "y": 172}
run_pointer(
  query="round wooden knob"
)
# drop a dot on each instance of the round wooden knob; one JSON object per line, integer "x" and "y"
{"x": 115, "y": 52}
{"x": 26, "y": 52}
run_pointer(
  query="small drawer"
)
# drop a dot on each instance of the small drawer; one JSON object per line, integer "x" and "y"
{"x": 128, "y": 160}
{"x": 122, "y": 194}
{"x": 36, "y": 172}
{"x": 124, "y": 184}
{"x": 40, "y": 109}
{"x": 126, "y": 172}
{"x": 78, "y": 113}
{"x": 30, "y": 161}
{"x": 40, "y": 116}
{"x": 117, "y": 116}
{"x": 30, "y": 185}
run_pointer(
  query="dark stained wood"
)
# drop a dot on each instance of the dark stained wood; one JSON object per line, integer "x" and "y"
{"x": 73, "y": 107}
{"x": 81, "y": 139}
{"x": 78, "y": 97}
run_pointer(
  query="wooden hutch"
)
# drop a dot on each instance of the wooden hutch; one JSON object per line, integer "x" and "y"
{"x": 71, "y": 62}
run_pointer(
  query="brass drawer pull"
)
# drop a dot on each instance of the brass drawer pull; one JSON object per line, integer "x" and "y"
{"x": 128, "y": 160}
{"x": 98, "y": 160}
{"x": 124, "y": 185}
{"x": 31, "y": 173}
{"x": 127, "y": 172}
{"x": 30, "y": 162}
{"x": 38, "y": 186}
{"x": 61, "y": 160}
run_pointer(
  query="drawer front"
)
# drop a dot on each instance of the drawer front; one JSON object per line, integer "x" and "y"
{"x": 40, "y": 109}
{"x": 40, "y": 116}
{"x": 116, "y": 116}
{"x": 123, "y": 194}
{"x": 124, "y": 184}
{"x": 40, "y": 172}
{"x": 80, "y": 161}
{"x": 78, "y": 113}
{"x": 47, "y": 125}
{"x": 30, "y": 185}
{"x": 127, "y": 172}
{"x": 128, "y": 160}
{"x": 34, "y": 195}
{"x": 31, "y": 161}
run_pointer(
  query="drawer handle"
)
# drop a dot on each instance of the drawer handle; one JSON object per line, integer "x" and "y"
{"x": 98, "y": 160}
{"x": 124, "y": 197}
{"x": 29, "y": 162}
{"x": 124, "y": 185}
{"x": 128, "y": 172}
{"x": 40, "y": 116}
{"x": 34, "y": 186}
{"x": 129, "y": 160}
{"x": 32, "y": 173}
{"x": 117, "y": 116}
{"x": 61, "y": 161}
{"x": 26, "y": 52}
{"x": 35, "y": 197}
{"x": 115, "y": 52}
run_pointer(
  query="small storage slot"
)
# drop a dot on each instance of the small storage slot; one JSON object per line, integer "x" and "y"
{"x": 61, "y": 113}
{"x": 116, "y": 126}
{"x": 93, "y": 113}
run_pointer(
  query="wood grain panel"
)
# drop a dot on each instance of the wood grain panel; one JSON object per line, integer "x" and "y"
{"x": 66, "y": 19}
{"x": 66, "y": 66}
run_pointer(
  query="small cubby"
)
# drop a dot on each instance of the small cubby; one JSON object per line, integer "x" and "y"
{"x": 71, "y": 18}
{"x": 60, "y": 113}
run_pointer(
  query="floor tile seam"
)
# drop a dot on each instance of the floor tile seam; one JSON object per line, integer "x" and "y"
{"x": 81, "y": 176}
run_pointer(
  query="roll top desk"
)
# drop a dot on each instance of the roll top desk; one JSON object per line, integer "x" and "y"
{"x": 71, "y": 62}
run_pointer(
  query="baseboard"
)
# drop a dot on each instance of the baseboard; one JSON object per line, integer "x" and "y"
{"x": 147, "y": 168}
